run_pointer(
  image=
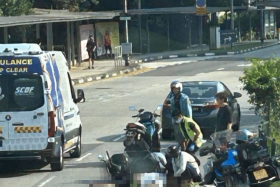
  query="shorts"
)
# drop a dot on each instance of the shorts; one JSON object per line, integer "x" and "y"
{"x": 179, "y": 137}
{"x": 91, "y": 55}
{"x": 108, "y": 47}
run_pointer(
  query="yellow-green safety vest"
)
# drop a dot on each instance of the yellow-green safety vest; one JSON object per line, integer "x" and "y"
{"x": 191, "y": 133}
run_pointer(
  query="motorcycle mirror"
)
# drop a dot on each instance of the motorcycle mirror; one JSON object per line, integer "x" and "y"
{"x": 204, "y": 151}
{"x": 141, "y": 110}
{"x": 132, "y": 108}
{"x": 101, "y": 158}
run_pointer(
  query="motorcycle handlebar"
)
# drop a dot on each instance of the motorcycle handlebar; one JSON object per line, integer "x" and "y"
{"x": 135, "y": 116}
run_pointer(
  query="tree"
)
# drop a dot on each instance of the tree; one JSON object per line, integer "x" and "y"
{"x": 262, "y": 84}
{"x": 71, "y": 5}
{"x": 15, "y": 7}
{"x": 75, "y": 5}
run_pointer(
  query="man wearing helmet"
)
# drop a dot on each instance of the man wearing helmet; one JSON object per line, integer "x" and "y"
{"x": 185, "y": 166}
{"x": 179, "y": 101}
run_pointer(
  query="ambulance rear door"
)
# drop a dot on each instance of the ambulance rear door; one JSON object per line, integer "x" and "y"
{"x": 28, "y": 126}
{"x": 23, "y": 104}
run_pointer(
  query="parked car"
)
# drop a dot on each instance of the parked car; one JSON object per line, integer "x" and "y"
{"x": 204, "y": 110}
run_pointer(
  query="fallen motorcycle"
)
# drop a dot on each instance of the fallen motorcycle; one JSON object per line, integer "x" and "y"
{"x": 144, "y": 133}
{"x": 223, "y": 168}
{"x": 131, "y": 162}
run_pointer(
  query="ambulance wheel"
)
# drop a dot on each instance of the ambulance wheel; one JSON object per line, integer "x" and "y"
{"x": 77, "y": 151}
{"x": 58, "y": 166}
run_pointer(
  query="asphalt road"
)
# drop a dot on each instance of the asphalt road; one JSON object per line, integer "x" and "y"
{"x": 106, "y": 113}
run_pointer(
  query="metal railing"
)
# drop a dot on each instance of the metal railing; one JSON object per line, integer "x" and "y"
{"x": 118, "y": 57}
{"x": 273, "y": 146}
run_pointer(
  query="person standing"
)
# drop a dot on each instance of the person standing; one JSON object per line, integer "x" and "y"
{"x": 107, "y": 44}
{"x": 91, "y": 49}
{"x": 179, "y": 101}
{"x": 224, "y": 117}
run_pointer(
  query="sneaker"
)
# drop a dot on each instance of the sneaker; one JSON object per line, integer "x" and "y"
{"x": 92, "y": 67}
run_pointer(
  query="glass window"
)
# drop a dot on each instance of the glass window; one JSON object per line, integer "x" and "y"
{"x": 21, "y": 93}
{"x": 201, "y": 91}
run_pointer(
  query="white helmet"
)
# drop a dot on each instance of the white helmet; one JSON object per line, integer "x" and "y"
{"x": 176, "y": 84}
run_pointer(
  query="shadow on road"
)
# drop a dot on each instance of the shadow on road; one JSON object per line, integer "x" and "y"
{"x": 9, "y": 169}
{"x": 16, "y": 168}
{"x": 85, "y": 165}
{"x": 112, "y": 138}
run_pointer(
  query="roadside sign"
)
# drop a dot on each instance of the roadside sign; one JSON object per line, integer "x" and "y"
{"x": 125, "y": 18}
{"x": 228, "y": 36}
{"x": 201, "y": 7}
{"x": 126, "y": 48}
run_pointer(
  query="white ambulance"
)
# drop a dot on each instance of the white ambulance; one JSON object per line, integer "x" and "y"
{"x": 39, "y": 116}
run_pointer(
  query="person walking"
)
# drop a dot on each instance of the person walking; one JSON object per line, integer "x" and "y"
{"x": 179, "y": 101}
{"x": 190, "y": 130}
{"x": 91, "y": 46}
{"x": 224, "y": 117}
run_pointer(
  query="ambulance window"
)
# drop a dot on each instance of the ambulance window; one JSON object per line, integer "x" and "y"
{"x": 28, "y": 93}
{"x": 21, "y": 93}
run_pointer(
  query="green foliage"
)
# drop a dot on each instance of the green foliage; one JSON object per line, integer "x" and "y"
{"x": 75, "y": 5}
{"x": 262, "y": 83}
{"x": 15, "y": 7}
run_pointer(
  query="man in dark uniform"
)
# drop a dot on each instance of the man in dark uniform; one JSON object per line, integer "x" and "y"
{"x": 91, "y": 46}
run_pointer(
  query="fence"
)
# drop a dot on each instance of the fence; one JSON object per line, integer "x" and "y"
{"x": 118, "y": 57}
{"x": 274, "y": 148}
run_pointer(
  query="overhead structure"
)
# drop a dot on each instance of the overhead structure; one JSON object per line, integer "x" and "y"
{"x": 54, "y": 16}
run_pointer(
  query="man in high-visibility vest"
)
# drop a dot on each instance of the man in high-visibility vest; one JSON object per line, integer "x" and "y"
{"x": 191, "y": 131}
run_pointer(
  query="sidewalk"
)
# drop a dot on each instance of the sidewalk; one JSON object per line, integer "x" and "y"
{"x": 102, "y": 69}
{"x": 106, "y": 68}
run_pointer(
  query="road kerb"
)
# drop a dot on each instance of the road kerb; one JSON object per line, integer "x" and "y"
{"x": 209, "y": 54}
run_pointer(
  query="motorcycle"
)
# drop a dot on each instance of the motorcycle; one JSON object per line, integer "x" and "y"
{"x": 144, "y": 134}
{"x": 141, "y": 139}
{"x": 223, "y": 168}
{"x": 131, "y": 162}
{"x": 255, "y": 160}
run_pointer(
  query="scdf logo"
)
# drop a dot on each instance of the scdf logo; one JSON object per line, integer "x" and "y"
{"x": 24, "y": 91}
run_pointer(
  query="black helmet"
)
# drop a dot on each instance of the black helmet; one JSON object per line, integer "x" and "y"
{"x": 173, "y": 151}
